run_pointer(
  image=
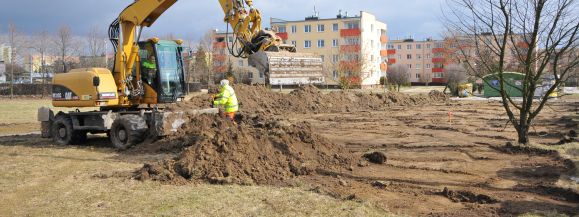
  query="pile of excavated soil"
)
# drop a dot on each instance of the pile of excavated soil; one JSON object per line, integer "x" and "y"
{"x": 254, "y": 151}
{"x": 309, "y": 99}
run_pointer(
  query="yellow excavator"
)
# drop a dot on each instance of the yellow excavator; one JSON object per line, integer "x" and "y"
{"x": 147, "y": 74}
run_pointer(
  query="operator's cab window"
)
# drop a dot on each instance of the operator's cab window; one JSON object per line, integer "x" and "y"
{"x": 149, "y": 65}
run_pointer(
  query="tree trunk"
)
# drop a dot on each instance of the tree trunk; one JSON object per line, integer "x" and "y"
{"x": 399, "y": 88}
{"x": 523, "y": 134}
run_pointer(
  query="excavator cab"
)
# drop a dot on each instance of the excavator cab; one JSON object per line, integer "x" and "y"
{"x": 161, "y": 67}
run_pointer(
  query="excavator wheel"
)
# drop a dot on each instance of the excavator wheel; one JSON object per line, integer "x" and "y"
{"x": 63, "y": 133}
{"x": 128, "y": 130}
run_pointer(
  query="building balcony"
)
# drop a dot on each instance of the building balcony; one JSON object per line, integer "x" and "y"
{"x": 383, "y": 53}
{"x": 438, "y": 50}
{"x": 438, "y": 60}
{"x": 350, "y": 65}
{"x": 392, "y": 61}
{"x": 391, "y": 51}
{"x": 350, "y": 32}
{"x": 283, "y": 35}
{"x": 350, "y": 48}
{"x": 383, "y": 67}
{"x": 220, "y": 57}
{"x": 437, "y": 70}
{"x": 384, "y": 39}
{"x": 219, "y": 45}
{"x": 219, "y": 69}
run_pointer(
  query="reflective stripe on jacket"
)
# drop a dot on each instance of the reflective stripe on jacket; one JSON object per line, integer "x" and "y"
{"x": 228, "y": 99}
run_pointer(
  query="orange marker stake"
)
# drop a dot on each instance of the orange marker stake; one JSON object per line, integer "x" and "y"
{"x": 450, "y": 116}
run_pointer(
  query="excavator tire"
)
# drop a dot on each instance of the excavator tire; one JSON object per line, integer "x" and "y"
{"x": 63, "y": 134}
{"x": 127, "y": 131}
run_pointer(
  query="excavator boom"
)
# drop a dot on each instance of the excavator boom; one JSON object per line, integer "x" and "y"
{"x": 265, "y": 50}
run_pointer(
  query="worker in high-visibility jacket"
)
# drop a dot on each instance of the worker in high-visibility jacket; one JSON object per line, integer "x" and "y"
{"x": 227, "y": 99}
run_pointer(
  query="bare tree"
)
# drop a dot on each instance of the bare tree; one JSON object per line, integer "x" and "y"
{"x": 96, "y": 48}
{"x": 41, "y": 45}
{"x": 12, "y": 40}
{"x": 534, "y": 34}
{"x": 398, "y": 74}
{"x": 66, "y": 46}
{"x": 426, "y": 77}
{"x": 454, "y": 76}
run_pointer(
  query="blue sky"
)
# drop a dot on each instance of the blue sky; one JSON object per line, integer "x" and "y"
{"x": 190, "y": 19}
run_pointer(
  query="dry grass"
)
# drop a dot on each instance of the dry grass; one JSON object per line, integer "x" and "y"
{"x": 20, "y": 115}
{"x": 68, "y": 181}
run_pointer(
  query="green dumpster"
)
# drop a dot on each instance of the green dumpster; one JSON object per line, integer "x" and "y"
{"x": 513, "y": 84}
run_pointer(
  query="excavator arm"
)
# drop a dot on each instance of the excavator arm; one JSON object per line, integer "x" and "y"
{"x": 265, "y": 50}
{"x": 125, "y": 32}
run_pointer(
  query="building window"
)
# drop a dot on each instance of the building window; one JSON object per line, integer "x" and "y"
{"x": 371, "y": 27}
{"x": 321, "y": 43}
{"x": 307, "y": 44}
{"x": 323, "y": 58}
{"x": 372, "y": 44}
{"x": 261, "y": 75}
{"x": 418, "y": 66}
{"x": 428, "y": 56}
{"x": 399, "y": 47}
{"x": 390, "y": 46}
{"x": 352, "y": 41}
{"x": 335, "y": 58}
{"x": 321, "y": 27}
{"x": 335, "y": 74}
{"x": 281, "y": 29}
{"x": 418, "y": 76}
{"x": 308, "y": 28}
{"x": 230, "y": 39}
{"x": 295, "y": 43}
{"x": 335, "y": 27}
{"x": 418, "y": 46}
{"x": 335, "y": 43}
{"x": 409, "y": 47}
{"x": 240, "y": 63}
{"x": 428, "y": 66}
{"x": 352, "y": 25}
{"x": 428, "y": 46}
{"x": 437, "y": 75}
{"x": 418, "y": 56}
{"x": 409, "y": 66}
{"x": 294, "y": 29}
{"x": 408, "y": 56}
{"x": 250, "y": 75}
{"x": 399, "y": 56}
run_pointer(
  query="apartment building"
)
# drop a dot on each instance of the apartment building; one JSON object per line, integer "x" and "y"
{"x": 424, "y": 59}
{"x": 428, "y": 58}
{"x": 2, "y": 72}
{"x": 352, "y": 47}
{"x": 5, "y": 53}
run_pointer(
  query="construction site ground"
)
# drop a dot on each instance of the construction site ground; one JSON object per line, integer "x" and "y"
{"x": 444, "y": 158}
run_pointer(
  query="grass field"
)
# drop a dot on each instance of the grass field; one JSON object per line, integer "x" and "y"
{"x": 20, "y": 115}
{"x": 85, "y": 181}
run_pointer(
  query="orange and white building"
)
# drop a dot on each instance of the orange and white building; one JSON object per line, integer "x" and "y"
{"x": 341, "y": 42}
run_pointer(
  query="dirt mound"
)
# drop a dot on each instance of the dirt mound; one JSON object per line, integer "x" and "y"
{"x": 309, "y": 99}
{"x": 255, "y": 151}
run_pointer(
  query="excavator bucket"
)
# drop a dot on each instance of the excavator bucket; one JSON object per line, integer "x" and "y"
{"x": 286, "y": 68}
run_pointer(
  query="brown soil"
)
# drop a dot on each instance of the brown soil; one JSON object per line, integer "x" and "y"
{"x": 253, "y": 151}
{"x": 309, "y": 100}
{"x": 388, "y": 149}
